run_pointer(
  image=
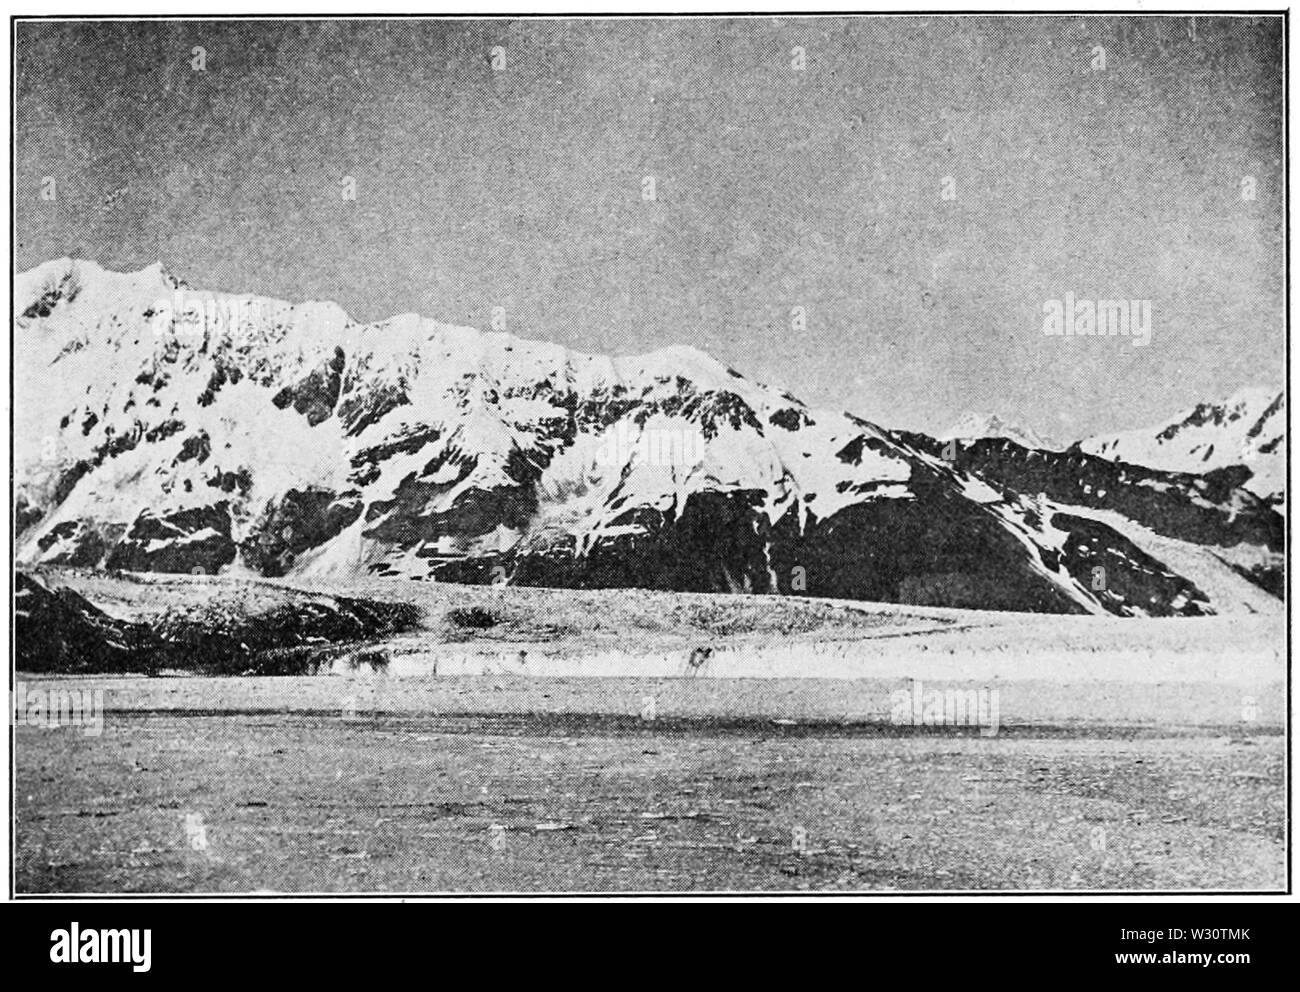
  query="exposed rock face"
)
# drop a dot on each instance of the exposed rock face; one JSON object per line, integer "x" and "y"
{"x": 58, "y": 630}
{"x": 197, "y": 431}
{"x": 1213, "y": 508}
{"x": 300, "y": 521}
{"x": 190, "y": 540}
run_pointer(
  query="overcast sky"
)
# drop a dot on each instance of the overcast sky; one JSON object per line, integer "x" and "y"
{"x": 821, "y": 188}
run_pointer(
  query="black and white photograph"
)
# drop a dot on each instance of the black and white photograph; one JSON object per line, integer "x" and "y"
{"x": 748, "y": 455}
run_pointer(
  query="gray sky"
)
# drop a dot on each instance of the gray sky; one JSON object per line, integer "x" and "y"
{"x": 776, "y": 188}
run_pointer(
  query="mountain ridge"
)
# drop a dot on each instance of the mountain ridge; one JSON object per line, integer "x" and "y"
{"x": 215, "y": 431}
{"x": 973, "y": 425}
{"x": 1247, "y": 428}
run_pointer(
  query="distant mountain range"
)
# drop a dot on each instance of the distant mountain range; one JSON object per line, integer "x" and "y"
{"x": 973, "y": 426}
{"x": 163, "y": 428}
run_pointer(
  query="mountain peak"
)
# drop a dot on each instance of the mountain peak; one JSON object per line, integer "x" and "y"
{"x": 973, "y": 425}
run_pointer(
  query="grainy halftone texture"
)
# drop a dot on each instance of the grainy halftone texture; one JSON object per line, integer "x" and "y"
{"x": 318, "y": 601}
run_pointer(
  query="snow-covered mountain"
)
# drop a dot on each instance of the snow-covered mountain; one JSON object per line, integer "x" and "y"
{"x": 1247, "y": 429}
{"x": 163, "y": 428}
{"x": 971, "y": 426}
